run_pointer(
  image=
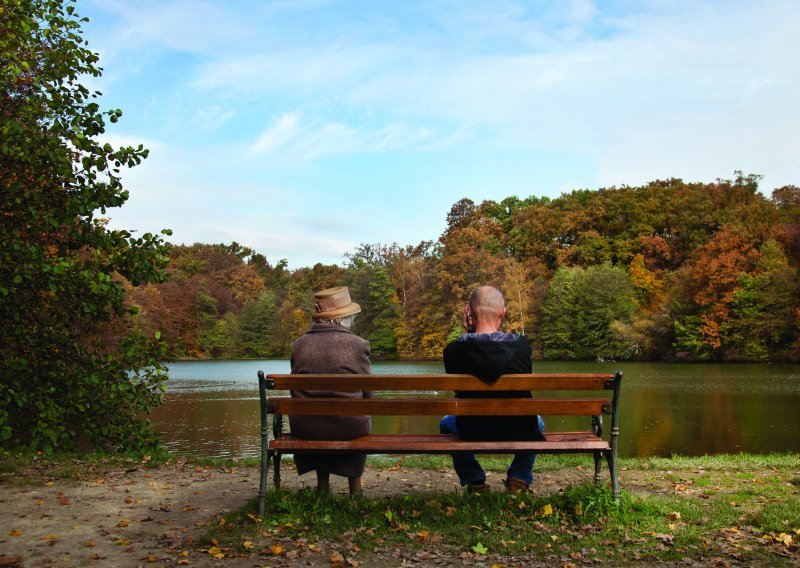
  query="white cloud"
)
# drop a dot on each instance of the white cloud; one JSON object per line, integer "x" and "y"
{"x": 278, "y": 135}
{"x": 212, "y": 117}
{"x": 292, "y": 138}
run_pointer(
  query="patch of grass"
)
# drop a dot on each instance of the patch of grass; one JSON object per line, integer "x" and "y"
{"x": 544, "y": 463}
{"x": 207, "y": 461}
{"x": 35, "y": 467}
{"x": 700, "y": 513}
{"x": 716, "y": 462}
{"x": 497, "y": 521}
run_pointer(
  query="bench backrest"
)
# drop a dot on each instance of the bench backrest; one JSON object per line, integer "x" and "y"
{"x": 552, "y": 405}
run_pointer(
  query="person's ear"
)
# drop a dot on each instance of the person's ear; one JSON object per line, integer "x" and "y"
{"x": 503, "y": 313}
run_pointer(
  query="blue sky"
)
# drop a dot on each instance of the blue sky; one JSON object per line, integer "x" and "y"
{"x": 303, "y": 128}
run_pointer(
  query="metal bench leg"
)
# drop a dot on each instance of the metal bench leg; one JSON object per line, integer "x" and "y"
{"x": 277, "y": 474}
{"x": 598, "y": 463}
{"x": 262, "y": 481}
{"x": 612, "y": 466}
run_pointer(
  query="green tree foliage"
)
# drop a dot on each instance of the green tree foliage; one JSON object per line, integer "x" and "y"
{"x": 581, "y": 310}
{"x": 62, "y": 271}
{"x": 256, "y": 326}
{"x": 386, "y": 310}
{"x": 763, "y": 322}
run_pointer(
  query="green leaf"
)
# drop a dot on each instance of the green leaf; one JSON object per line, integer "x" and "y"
{"x": 479, "y": 549}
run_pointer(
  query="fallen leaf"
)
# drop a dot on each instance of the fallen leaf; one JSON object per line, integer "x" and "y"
{"x": 276, "y": 550}
{"x": 216, "y": 552}
{"x": 63, "y": 499}
{"x": 546, "y": 511}
{"x": 123, "y": 523}
{"x": 248, "y": 545}
{"x": 51, "y": 538}
{"x": 314, "y": 548}
{"x": 784, "y": 539}
{"x": 336, "y": 559}
{"x": 675, "y": 516}
{"x": 15, "y": 532}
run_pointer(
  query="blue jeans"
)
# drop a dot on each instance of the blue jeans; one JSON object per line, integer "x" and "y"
{"x": 470, "y": 471}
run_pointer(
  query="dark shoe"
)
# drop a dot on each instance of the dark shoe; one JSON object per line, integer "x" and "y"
{"x": 514, "y": 485}
{"x": 478, "y": 487}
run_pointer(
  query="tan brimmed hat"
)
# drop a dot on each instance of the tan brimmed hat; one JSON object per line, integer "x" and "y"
{"x": 334, "y": 303}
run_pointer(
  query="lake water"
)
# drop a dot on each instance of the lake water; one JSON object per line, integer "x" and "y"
{"x": 689, "y": 409}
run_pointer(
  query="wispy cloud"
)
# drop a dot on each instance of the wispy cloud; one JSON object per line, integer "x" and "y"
{"x": 292, "y": 138}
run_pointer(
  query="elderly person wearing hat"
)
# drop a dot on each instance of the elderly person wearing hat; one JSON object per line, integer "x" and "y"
{"x": 329, "y": 347}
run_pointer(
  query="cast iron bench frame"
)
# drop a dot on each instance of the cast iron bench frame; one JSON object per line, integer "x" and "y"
{"x": 558, "y": 403}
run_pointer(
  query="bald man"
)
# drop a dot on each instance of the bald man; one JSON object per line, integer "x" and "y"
{"x": 487, "y": 352}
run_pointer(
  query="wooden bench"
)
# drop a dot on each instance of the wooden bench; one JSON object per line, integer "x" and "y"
{"x": 560, "y": 401}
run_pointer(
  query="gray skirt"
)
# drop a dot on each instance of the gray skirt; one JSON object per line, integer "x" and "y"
{"x": 330, "y": 428}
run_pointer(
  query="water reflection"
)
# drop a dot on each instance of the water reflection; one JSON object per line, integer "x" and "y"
{"x": 212, "y": 407}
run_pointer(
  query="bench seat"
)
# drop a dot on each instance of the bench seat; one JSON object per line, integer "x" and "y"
{"x": 559, "y": 442}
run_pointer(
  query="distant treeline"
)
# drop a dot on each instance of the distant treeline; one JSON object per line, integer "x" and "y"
{"x": 669, "y": 270}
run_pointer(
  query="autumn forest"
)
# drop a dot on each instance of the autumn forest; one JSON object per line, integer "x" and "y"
{"x": 666, "y": 271}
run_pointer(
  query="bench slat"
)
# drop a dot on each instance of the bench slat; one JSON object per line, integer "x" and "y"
{"x": 432, "y": 407}
{"x": 440, "y": 443}
{"x": 538, "y": 382}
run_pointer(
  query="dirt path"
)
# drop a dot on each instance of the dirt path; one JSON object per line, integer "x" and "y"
{"x": 139, "y": 516}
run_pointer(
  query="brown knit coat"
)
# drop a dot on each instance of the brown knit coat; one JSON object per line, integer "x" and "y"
{"x": 330, "y": 348}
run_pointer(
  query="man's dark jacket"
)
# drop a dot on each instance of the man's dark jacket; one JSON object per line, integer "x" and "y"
{"x": 488, "y": 360}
